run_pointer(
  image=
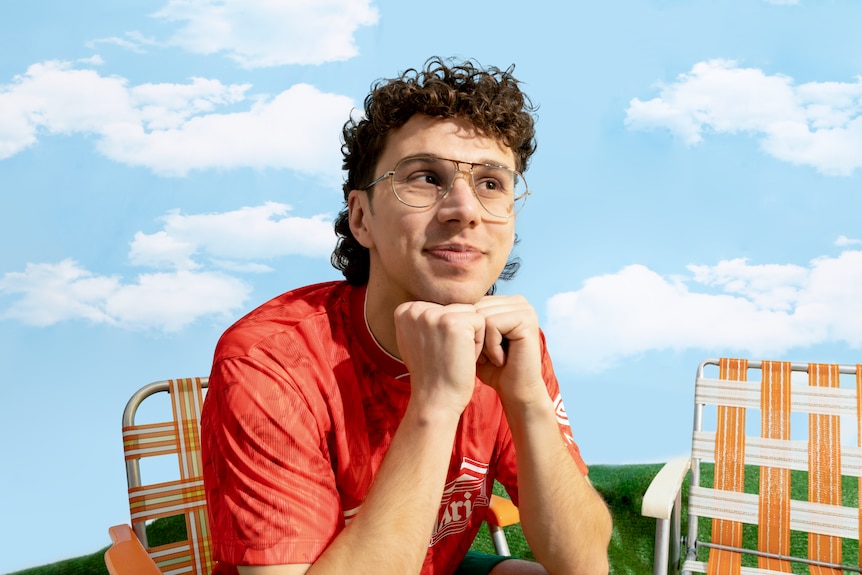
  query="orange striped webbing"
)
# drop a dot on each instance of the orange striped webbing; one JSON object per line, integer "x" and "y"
{"x": 182, "y": 497}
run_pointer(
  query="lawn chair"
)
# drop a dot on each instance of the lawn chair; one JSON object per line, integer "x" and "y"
{"x": 776, "y": 493}
{"x": 178, "y": 437}
{"x": 131, "y": 552}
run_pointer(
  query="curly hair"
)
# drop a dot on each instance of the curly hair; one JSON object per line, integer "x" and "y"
{"x": 489, "y": 98}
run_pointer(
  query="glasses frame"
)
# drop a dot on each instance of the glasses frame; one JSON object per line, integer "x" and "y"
{"x": 458, "y": 163}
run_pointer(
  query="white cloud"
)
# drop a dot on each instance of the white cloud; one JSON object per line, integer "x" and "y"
{"x": 132, "y": 41}
{"x": 57, "y": 292}
{"x": 161, "y": 249}
{"x": 759, "y": 309}
{"x": 843, "y": 241}
{"x": 817, "y": 124}
{"x": 262, "y": 33}
{"x": 175, "y": 128}
{"x": 170, "y": 106}
{"x": 52, "y": 293}
{"x": 298, "y": 129}
{"x": 195, "y": 257}
{"x": 171, "y": 301}
{"x": 771, "y": 286}
{"x": 94, "y": 60}
{"x": 261, "y": 232}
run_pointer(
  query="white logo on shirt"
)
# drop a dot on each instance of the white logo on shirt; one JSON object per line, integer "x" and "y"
{"x": 563, "y": 418}
{"x": 460, "y": 497}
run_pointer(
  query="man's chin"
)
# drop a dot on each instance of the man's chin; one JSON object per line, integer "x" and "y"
{"x": 467, "y": 296}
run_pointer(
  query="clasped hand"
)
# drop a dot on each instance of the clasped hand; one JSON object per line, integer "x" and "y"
{"x": 446, "y": 346}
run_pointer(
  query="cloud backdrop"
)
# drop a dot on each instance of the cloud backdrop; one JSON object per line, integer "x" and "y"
{"x": 167, "y": 165}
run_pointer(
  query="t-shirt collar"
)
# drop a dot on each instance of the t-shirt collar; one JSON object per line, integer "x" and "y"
{"x": 387, "y": 362}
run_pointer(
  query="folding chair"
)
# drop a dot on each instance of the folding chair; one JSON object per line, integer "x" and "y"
{"x": 180, "y": 436}
{"x": 131, "y": 552}
{"x": 752, "y": 422}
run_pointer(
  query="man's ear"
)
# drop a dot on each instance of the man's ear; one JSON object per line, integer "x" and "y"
{"x": 359, "y": 212}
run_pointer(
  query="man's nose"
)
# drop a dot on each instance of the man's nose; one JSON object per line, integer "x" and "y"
{"x": 461, "y": 201}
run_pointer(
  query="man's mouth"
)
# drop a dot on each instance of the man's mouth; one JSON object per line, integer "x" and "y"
{"x": 455, "y": 253}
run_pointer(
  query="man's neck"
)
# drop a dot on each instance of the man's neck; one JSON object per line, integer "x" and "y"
{"x": 380, "y": 317}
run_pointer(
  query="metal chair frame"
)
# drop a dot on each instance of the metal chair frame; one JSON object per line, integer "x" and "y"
{"x": 663, "y": 497}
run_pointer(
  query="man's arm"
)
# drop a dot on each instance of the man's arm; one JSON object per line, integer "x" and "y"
{"x": 565, "y": 521}
{"x": 391, "y": 531}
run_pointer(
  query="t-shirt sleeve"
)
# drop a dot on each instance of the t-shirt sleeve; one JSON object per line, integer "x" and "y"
{"x": 560, "y": 409}
{"x": 269, "y": 482}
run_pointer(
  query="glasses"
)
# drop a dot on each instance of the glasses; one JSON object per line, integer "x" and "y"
{"x": 421, "y": 182}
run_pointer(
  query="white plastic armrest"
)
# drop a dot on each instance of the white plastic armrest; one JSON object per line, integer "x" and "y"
{"x": 662, "y": 492}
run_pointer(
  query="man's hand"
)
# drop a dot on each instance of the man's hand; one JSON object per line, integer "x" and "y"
{"x": 511, "y": 357}
{"x": 445, "y": 346}
{"x": 440, "y": 345}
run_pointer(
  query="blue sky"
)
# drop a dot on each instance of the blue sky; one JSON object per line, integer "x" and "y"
{"x": 167, "y": 165}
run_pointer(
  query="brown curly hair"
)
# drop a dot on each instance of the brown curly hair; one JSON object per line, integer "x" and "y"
{"x": 489, "y": 98}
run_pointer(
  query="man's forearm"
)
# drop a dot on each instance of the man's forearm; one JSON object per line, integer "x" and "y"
{"x": 390, "y": 533}
{"x": 564, "y": 519}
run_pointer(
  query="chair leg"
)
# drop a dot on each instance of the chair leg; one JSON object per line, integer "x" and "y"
{"x": 676, "y": 534}
{"x": 499, "y": 537}
{"x": 662, "y": 540}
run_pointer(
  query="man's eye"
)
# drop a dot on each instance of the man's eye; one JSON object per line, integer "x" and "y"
{"x": 490, "y": 186}
{"x": 424, "y": 179}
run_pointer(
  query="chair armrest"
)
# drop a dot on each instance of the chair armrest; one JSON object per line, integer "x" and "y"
{"x": 127, "y": 555}
{"x": 662, "y": 492}
{"x": 502, "y": 512}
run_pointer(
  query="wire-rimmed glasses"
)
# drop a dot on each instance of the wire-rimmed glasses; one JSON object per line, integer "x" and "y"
{"x": 422, "y": 181}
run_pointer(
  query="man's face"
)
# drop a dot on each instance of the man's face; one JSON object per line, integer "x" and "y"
{"x": 451, "y": 252}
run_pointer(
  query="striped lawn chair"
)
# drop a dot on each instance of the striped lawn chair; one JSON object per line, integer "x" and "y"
{"x": 130, "y": 552}
{"x": 774, "y": 474}
{"x": 179, "y": 437}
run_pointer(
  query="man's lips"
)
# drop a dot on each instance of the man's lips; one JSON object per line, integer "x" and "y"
{"x": 455, "y": 253}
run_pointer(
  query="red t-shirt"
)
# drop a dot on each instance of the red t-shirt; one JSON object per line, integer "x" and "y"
{"x": 301, "y": 409}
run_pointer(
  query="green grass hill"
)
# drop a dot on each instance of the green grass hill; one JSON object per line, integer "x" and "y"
{"x": 622, "y": 486}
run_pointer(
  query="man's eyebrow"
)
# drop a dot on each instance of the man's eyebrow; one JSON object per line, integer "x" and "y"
{"x": 422, "y": 155}
{"x": 482, "y": 161}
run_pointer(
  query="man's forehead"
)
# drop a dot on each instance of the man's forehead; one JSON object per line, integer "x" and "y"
{"x": 445, "y": 137}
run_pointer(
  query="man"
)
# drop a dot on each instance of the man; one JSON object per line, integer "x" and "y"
{"x": 358, "y": 426}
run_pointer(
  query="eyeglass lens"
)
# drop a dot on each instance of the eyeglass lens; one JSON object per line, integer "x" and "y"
{"x": 421, "y": 182}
